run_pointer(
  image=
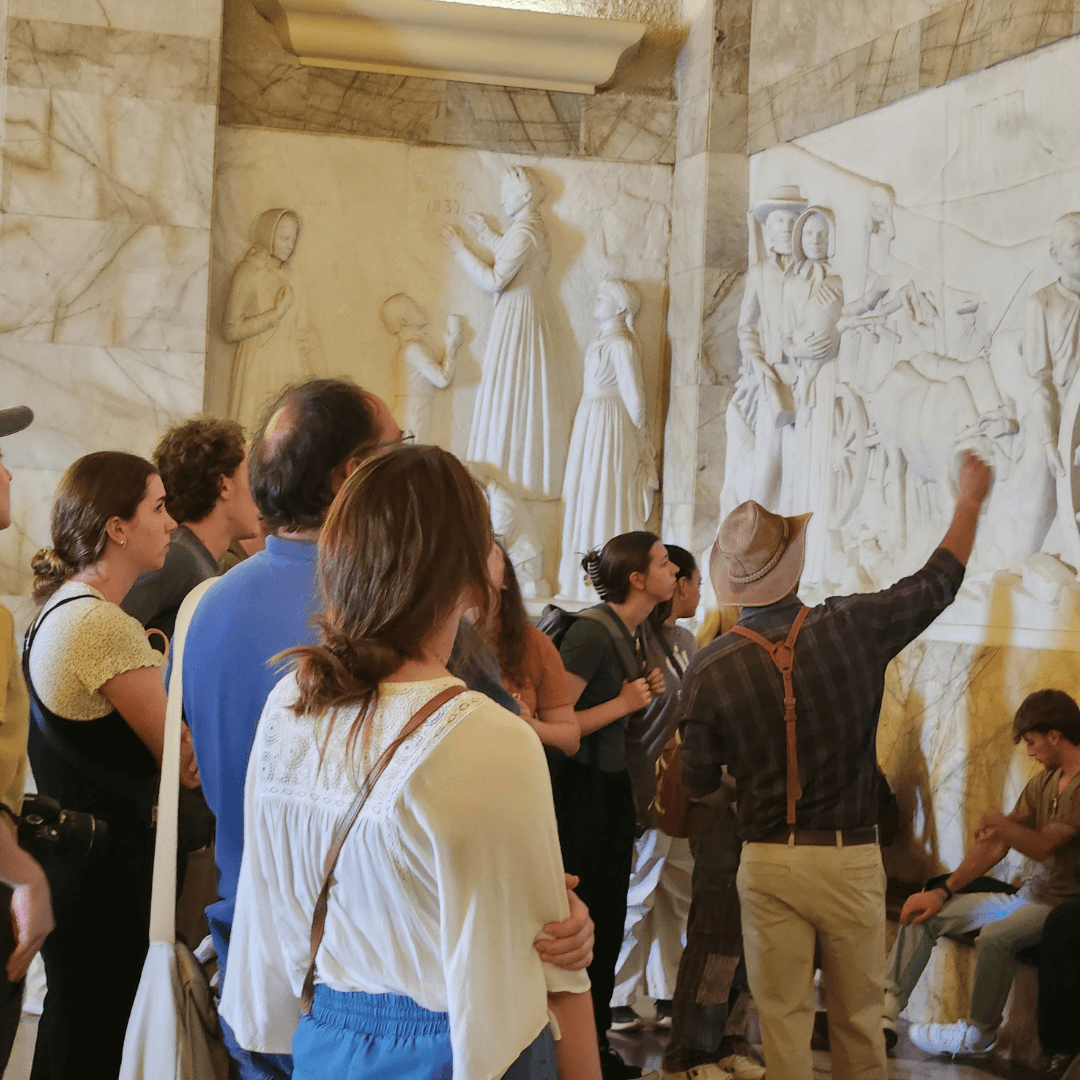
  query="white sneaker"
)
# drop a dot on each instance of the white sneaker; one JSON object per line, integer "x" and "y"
{"x": 699, "y": 1072}
{"x": 952, "y": 1039}
{"x": 742, "y": 1068}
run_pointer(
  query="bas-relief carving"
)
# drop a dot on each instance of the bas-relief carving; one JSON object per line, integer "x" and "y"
{"x": 944, "y": 321}
{"x": 611, "y": 464}
{"x": 515, "y": 424}
{"x": 266, "y": 317}
{"x": 532, "y": 328}
{"x": 418, "y": 370}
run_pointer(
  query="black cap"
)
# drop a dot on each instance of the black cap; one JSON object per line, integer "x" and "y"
{"x": 15, "y": 419}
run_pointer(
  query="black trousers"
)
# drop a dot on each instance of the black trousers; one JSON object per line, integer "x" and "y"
{"x": 595, "y": 811}
{"x": 94, "y": 957}
{"x": 708, "y": 1010}
{"x": 1059, "y": 980}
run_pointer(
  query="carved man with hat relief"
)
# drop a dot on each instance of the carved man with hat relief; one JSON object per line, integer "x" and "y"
{"x": 753, "y": 469}
{"x": 786, "y": 703}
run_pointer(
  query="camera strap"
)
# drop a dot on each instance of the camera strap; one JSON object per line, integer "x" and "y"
{"x": 116, "y": 783}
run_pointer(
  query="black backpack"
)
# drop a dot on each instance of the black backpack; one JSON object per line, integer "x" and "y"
{"x": 555, "y": 622}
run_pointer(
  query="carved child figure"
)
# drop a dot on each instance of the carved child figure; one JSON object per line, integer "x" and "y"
{"x": 419, "y": 372}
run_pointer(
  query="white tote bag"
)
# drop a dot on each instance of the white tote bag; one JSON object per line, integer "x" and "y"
{"x": 173, "y": 1031}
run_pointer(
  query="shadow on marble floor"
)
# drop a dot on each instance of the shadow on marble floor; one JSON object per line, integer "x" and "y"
{"x": 646, "y": 1048}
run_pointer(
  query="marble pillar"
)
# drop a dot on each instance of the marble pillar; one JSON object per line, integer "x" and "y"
{"x": 708, "y": 261}
{"x": 108, "y": 160}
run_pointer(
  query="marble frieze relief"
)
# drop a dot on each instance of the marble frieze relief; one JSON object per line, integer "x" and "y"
{"x": 904, "y": 307}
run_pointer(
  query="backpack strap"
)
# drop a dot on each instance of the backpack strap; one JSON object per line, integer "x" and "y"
{"x": 625, "y": 646}
{"x": 782, "y": 654}
{"x": 318, "y": 918}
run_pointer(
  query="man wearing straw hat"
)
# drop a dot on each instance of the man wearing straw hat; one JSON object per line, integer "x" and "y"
{"x": 788, "y": 701}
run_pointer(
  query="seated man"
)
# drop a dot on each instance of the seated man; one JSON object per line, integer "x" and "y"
{"x": 1043, "y": 826}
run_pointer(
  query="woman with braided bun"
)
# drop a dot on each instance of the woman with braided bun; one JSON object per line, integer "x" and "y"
{"x": 604, "y": 655}
{"x": 377, "y": 795}
{"x": 98, "y": 708}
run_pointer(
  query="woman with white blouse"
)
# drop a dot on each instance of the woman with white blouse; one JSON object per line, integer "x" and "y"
{"x": 427, "y": 966}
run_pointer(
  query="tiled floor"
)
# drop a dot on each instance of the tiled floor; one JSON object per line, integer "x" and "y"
{"x": 646, "y": 1048}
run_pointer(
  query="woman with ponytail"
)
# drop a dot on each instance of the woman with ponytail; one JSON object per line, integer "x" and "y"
{"x": 451, "y": 868}
{"x": 604, "y": 655}
{"x": 98, "y": 708}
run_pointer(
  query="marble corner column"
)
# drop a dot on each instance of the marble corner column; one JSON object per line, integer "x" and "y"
{"x": 708, "y": 261}
{"x": 108, "y": 159}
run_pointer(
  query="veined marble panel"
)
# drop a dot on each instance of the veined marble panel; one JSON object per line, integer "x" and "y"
{"x": 190, "y": 18}
{"x": 107, "y": 158}
{"x": 947, "y": 42}
{"x": 84, "y": 399}
{"x": 46, "y": 55}
{"x": 262, "y": 85}
{"x": 103, "y": 283}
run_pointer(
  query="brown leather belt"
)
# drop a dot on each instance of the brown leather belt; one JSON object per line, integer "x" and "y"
{"x": 823, "y": 837}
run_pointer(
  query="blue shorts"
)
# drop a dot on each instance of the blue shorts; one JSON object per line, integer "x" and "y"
{"x": 357, "y": 1036}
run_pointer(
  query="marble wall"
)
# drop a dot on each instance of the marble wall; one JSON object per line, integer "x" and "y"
{"x": 632, "y": 121}
{"x": 109, "y": 117}
{"x": 813, "y": 65}
{"x": 372, "y": 215}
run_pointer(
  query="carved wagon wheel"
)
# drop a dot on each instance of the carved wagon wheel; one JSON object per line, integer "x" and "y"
{"x": 1068, "y": 486}
{"x": 848, "y": 453}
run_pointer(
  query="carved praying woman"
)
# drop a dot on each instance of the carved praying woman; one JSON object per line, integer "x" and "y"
{"x": 611, "y": 468}
{"x": 514, "y": 414}
{"x": 267, "y": 319}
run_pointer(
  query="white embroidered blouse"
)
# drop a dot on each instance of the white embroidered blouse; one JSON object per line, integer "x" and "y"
{"x": 442, "y": 886}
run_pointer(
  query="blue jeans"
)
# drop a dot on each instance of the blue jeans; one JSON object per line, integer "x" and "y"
{"x": 357, "y": 1036}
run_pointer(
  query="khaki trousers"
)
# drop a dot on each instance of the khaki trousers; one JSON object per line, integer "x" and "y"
{"x": 789, "y": 895}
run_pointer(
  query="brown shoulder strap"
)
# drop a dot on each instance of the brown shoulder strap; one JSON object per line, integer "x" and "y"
{"x": 782, "y": 654}
{"x": 318, "y": 918}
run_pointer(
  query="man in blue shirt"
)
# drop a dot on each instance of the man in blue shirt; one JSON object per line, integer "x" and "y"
{"x": 315, "y": 435}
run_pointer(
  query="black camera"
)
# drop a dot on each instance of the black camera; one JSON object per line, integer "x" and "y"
{"x": 47, "y": 830}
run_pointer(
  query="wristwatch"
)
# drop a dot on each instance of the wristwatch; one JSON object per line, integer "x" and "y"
{"x": 945, "y": 888}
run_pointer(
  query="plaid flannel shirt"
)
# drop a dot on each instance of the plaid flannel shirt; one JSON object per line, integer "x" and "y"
{"x": 733, "y": 702}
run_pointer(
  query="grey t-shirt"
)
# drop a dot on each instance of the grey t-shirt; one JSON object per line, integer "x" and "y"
{"x": 156, "y": 597}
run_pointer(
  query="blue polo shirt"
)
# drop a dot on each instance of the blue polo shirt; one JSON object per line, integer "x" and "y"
{"x": 259, "y": 608}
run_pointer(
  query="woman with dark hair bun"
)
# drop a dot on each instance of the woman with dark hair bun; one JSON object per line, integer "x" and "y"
{"x": 98, "y": 705}
{"x": 603, "y": 652}
{"x": 426, "y": 962}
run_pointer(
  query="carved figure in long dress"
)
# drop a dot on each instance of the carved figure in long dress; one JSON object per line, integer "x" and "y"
{"x": 753, "y": 468}
{"x": 1051, "y": 362}
{"x": 813, "y": 297}
{"x": 513, "y": 423}
{"x": 418, "y": 371}
{"x": 611, "y": 467}
{"x": 267, "y": 318}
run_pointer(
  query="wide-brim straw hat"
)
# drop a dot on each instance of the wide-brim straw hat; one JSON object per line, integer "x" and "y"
{"x": 787, "y": 197}
{"x": 758, "y": 556}
{"x": 15, "y": 419}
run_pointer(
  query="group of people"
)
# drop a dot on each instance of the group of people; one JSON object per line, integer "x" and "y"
{"x": 430, "y": 814}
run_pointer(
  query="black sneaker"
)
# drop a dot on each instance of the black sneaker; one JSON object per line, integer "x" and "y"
{"x": 612, "y": 1066}
{"x": 623, "y": 1018}
{"x": 663, "y": 1012}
